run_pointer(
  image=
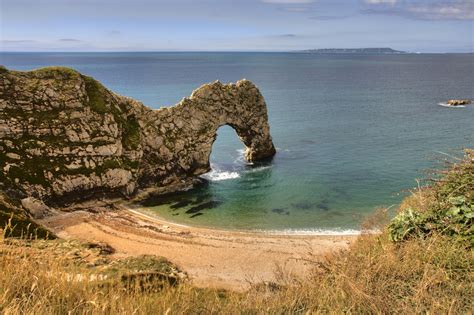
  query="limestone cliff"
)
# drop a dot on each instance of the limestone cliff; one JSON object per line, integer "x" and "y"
{"x": 64, "y": 135}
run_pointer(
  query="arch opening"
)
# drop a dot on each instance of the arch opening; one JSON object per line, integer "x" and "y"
{"x": 226, "y": 156}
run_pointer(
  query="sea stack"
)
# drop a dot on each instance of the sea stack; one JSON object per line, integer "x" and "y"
{"x": 64, "y": 135}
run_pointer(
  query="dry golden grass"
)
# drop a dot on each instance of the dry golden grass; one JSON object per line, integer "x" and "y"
{"x": 376, "y": 276}
{"x": 420, "y": 199}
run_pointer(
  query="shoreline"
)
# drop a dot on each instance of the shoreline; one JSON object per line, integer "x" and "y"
{"x": 276, "y": 232}
{"x": 212, "y": 258}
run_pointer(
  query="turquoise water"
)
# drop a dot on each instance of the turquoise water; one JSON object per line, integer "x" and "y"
{"x": 352, "y": 132}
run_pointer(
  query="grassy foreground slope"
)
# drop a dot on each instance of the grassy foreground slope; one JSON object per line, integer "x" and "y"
{"x": 423, "y": 261}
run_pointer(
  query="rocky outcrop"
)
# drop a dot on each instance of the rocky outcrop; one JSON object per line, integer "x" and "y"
{"x": 458, "y": 102}
{"x": 16, "y": 221}
{"x": 63, "y": 134}
{"x": 36, "y": 208}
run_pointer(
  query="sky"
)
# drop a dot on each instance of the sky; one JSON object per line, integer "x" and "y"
{"x": 236, "y": 25}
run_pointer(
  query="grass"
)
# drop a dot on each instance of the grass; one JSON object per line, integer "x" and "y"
{"x": 96, "y": 93}
{"x": 431, "y": 272}
{"x": 53, "y": 72}
{"x": 56, "y": 72}
{"x": 376, "y": 276}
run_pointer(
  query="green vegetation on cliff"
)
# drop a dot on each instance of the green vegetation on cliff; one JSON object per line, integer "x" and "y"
{"x": 131, "y": 133}
{"x": 55, "y": 72}
{"x": 96, "y": 93}
{"x": 447, "y": 207}
{"x": 3, "y": 69}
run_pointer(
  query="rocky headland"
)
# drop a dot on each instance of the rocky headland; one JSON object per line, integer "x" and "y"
{"x": 64, "y": 137}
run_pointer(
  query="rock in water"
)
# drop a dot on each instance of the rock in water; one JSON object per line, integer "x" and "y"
{"x": 64, "y": 135}
{"x": 458, "y": 102}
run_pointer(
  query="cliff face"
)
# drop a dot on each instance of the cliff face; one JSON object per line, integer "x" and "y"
{"x": 63, "y": 134}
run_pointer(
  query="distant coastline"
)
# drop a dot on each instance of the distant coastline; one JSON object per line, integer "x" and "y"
{"x": 377, "y": 50}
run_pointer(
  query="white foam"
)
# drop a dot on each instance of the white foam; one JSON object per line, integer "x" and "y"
{"x": 241, "y": 158}
{"x": 217, "y": 175}
{"x": 450, "y": 106}
{"x": 258, "y": 169}
{"x": 321, "y": 232}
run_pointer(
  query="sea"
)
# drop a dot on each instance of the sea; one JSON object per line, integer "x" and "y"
{"x": 354, "y": 133}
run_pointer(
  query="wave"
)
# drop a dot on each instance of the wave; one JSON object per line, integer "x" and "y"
{"x": 218, "y": 175}
{"x": 450, "y": 106}
{"x": 241, "y": 166}
{"x": 334, "y": 232}
{"x": 240, "y": 160}
{"x": 258, "y": 169}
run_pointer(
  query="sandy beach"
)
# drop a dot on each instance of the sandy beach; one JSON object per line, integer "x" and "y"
{"x": 211, "y": 258}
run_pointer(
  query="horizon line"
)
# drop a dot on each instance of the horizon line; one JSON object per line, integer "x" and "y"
{"x": 307, "y": 51}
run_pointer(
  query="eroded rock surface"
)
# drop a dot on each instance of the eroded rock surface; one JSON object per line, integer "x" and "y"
{"x": 62, "y": 134}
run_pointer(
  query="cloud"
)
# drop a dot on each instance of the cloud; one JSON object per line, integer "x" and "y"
{"x": 288, "y": 1}
{"x": 280, "y": 36}
{"x": 286, "y": 35}
{"x": 69, "y": 40}
{"x": 329, "y": 17}
{"x": 423, "y": 10}
{"x": 17, "y": 41}
{"x": 392, "y": 2}
{"x": 296, "y": 9}
{"x": 456, "y": 11}
{"x": 114, "y": 33}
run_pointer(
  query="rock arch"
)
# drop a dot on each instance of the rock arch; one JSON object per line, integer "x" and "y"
{"x": 192, "y": 124}
{"x": 63, "y": 134}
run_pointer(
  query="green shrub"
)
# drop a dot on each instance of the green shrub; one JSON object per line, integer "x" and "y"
{"x": 450, "y": 210}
